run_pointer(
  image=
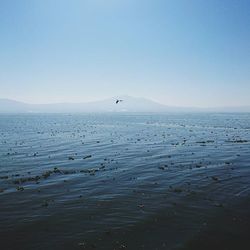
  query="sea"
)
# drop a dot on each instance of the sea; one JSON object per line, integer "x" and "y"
{"x": 125, "y": 181}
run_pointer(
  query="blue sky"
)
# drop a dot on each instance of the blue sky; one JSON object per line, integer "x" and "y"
{"x": 177, "y": 52}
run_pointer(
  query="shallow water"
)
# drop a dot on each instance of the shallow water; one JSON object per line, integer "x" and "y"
{"x": 120, "y": 181}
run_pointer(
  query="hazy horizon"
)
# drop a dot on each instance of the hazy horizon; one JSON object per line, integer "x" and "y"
{"x": 114, "y": 98}
{"x": 128, "y": 104}
{"x": 177, "y": 53}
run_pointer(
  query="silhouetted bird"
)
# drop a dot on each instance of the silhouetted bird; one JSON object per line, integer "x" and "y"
{"x": 117, "y": 101}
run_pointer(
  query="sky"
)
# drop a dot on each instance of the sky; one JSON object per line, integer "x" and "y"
{"x": 176, "y": 52}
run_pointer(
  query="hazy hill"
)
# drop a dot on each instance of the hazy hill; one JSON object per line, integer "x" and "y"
{"x": 129, "y": 104}
{"x": 7, "y": 106}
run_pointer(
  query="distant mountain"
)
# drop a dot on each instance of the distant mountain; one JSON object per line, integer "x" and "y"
{"x": 129, "y": 104}
{"x": 10, "y": 106}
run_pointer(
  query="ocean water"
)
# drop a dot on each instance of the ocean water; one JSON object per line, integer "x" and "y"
{"x": 124, "y": 181}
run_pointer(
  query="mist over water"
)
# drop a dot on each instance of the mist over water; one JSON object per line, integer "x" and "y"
{"x": 120, "y": 181}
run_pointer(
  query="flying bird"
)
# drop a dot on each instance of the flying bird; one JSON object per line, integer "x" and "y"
{"x": 117, "y": 101}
